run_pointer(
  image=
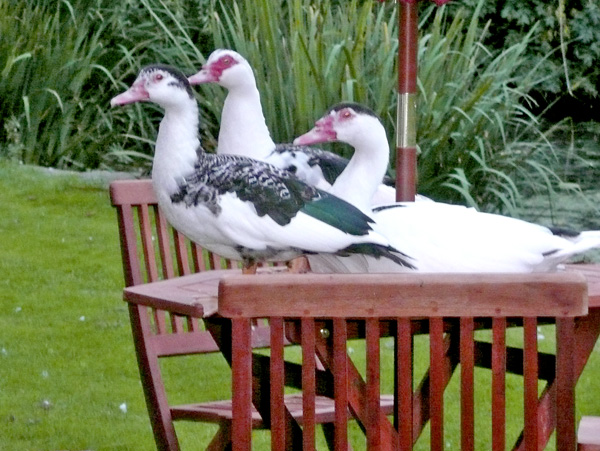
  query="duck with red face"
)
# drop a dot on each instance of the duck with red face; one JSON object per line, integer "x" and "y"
{"x": 439, "y": 237}
{"x": 243, "y": 129}
{"x": 235, "y": 206}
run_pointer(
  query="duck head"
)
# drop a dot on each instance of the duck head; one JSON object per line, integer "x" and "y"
{"x": 158, "y": 83}
{"x": 226, "y": 68}
{"x": 346, "y": 122}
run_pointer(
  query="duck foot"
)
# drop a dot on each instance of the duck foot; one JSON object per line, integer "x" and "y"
{"x": 249, "y": 268}
{"x": 299, "y": 265}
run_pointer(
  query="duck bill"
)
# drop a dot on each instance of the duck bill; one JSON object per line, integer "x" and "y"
{"x": 204, "y": 76}
{"x": 316, "y": 135}
{"x": 137, "y": 93}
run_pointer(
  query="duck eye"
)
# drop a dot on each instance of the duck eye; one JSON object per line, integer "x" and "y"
{"x": 227, "y": 60}
{"x": 158, "y": 77}
{"x": 346, "y": 114}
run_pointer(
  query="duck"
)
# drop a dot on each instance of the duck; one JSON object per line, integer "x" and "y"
{"x": 440, "y": 237}
{"x": 243, "y": 128}
{"x": 235, "y": 206}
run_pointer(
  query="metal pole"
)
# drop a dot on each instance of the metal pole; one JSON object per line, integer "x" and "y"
{"x": 406, "y": 127}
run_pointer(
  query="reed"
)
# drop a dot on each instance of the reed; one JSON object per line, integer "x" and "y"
{"x": 478, "y": 139}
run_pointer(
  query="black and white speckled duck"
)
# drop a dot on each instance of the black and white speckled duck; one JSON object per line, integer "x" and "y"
{"x": 244, "y": 130}
{"x": 440, "y": 237}
{"x": 235, "y": 206}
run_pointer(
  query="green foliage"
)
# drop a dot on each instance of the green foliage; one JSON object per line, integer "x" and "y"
{"x": 568, "y": 30}
{"x": 309, "y": 55}
{"x": 67, "y": 364}
{"x": 50, "y": 60}
{"x": 480, "y": 142}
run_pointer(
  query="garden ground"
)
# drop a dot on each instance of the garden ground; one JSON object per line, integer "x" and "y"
{"x": 68, "y": 377}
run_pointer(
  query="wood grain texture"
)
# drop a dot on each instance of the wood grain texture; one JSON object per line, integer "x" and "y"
{"x": 397, "y": 295}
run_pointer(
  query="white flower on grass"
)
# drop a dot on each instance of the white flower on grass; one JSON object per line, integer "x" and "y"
{"x": 45, "y": 374}
{"x": 46, "y": 404}
{"x": 540, "y": 335}
{"x": 18, "y": 309}
{"x": 123, "y": 407}
{"x": 82, "y": 318}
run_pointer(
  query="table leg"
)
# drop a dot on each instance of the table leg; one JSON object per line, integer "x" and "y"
{"x": 587, "y": 331}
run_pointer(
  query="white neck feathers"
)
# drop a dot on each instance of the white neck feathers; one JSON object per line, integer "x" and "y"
{"x": 243, "y": 127}
{"x": 176, "y": 146}
{"x": 360, "y": 179}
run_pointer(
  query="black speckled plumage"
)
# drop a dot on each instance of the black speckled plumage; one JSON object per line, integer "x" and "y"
{"x": 273, "y": 192}
{"x": 236, "y": 206}
{"x": 180, "y": 79}
{"x": 331, "y": 164}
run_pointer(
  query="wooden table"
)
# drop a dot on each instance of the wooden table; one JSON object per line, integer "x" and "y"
{"x": 197, "y": 294}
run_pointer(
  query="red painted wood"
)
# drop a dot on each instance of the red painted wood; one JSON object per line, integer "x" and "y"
{"x": 181, "y": 253}
{"x": 437, "y": 383}
{"x": 587, "y": 330}
{"x": 340, "y": 381}
{"x": 530, "y": 389}
{"x": 408, "y": 42}
{"x": 467, "y": 367}
{"x": 132, "y": 270}
{"x": 565, "y": 384}
{"x": 241, "y": 385}
{"x": 499, "y": 384}
{"x": 422, "y": 395}
{"x": 404, "y": 384}
{"x": 373, "y": 383}
{"x": 356, "y": 397}
{"x": 176, "y": 323}
{"x": 395, "y": 295}
{"x": 160, "y": 322}
{"x": 406, "y": 174}
{"x": 308, "y": 382}
{"x": 277, "y": 377}
{"x": 164, "y": 244}
{"x": 154, "y": 390}
{"x": 147, "y": 243}
{"x": 198, "y": 258}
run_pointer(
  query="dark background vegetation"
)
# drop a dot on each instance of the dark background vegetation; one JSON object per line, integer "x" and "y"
{"x": 62, "y": 61}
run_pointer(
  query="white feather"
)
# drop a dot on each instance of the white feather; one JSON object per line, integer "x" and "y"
{"x": 439, "y": 237}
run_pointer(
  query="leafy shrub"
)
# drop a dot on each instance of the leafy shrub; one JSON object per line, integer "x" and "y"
{"x": 49, "y": 55}
{"x": 569, "y": 32}
{"x": 480, "y": 142}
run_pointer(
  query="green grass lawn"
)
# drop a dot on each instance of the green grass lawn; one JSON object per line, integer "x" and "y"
{"x": 68, "y": 377}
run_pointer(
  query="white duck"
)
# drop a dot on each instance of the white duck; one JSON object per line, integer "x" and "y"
{"x": 440, "y": 237}
{"x": 235, "y": 206}
{"x": 243, "y": 130}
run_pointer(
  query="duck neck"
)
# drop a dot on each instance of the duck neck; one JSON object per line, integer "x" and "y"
{"x": 177, "y": 145}
{"x": 362, "y": 176}
{"x": 244, "y": 130}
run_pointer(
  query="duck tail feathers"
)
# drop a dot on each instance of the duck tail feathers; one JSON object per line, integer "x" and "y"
{"x": 378, "y": 251}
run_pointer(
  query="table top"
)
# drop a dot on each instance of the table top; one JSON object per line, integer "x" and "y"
{"x": 197, "y": 294}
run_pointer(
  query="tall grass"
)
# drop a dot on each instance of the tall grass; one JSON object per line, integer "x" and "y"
{"x": 479, "y": 142}
{"x": 48, "y": 58}
{"x": 477, "y": 135}
{"x": 308, "y": 55}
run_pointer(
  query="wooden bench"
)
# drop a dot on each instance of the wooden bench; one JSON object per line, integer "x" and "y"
{"x": 588, "y": 434}
{"x": 390, "y": 303}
